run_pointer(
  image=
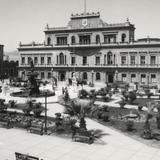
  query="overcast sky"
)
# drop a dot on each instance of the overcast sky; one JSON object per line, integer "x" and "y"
{"x": 25, "y": 20}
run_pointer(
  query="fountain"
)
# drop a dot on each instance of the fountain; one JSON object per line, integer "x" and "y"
{"x": 32, "y": 89}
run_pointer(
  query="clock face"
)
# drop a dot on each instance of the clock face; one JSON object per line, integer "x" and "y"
{"x": 84, "y": 22}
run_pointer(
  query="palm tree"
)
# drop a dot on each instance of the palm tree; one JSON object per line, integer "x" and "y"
{"x": 147, "y": 130}
{"x": 81, "y": 108}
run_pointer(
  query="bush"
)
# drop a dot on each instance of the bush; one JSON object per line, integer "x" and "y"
{"x": 28, "y": 107}
{"x": 12, "y": 103}
{"x": 129, "y": 125}
{"x": 105, "y": 117}
{"x": 106, "y": 99}
{"x": 158, "y": 122}
{"x": 99, "y": 114}
{"x": 3, "y": 107}
{"x": 132, "y": 96}
{"x": 37, "y": 109}
{"x": 83, "y": 93}
{"x": 102, "y": 92}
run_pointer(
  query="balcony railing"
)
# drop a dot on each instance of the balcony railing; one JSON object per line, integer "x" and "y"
{"x": 95, "y": 65}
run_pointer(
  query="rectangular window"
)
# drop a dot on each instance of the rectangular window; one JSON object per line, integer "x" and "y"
{"x": 48, "y": 60}
{"x": 153, "y": 78}
{"x": 133, "y": 60}
{"x": 29, "y": 60}
{"x": 49, "y": 75}
{"x": 73, "y": 60}
{"x": 143, "y": 78}
{"x": 84, "y": 39}
{"x": 42, "y": 74}
{"x": 123, "y": 60}
{"x": 42, "y": 60}
{"x": 84, "y": 60}
{"x": 23, "y": 60}
{"x": 35, "y": 60}
{"x": 61, "y": 40}
{"x": 111, "y": 38}
{"x": 104, "y": 59}
{"x": 133, "y": 77}
{"x": 153, "y": 60}
{"x": 142, "y": 60}
{"x": 124, "y": 77}
{"x": 97, "y": 60}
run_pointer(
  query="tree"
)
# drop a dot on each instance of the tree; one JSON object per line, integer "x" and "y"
{"x": 147, "y": 129}
{"x": 81, "y": 109}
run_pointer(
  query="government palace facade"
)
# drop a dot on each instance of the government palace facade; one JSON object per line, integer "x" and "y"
{"x": 93, "y": 50}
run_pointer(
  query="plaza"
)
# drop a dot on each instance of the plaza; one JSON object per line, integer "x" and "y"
{"x": 113, "y": 145}
{"x": 89, "y": 90}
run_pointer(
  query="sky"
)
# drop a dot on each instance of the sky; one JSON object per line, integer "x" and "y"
{"x": 25, "y": 20}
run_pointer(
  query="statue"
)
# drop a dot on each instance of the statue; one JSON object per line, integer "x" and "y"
{"x": 33, "y": 85}
{"x": 74, "y": 82}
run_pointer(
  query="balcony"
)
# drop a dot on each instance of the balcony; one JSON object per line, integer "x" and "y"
{"x": 94, "y": 65}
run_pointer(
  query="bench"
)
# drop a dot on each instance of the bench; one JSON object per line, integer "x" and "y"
{"x": 6, "y": 124}
{"x": 36, "y": 128}
{"x": 82, "y": 138}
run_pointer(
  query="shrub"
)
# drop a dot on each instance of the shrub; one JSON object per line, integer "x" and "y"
{"x": 106, "y": 99}
{"x": 129, "y": 125}
{"x": 12, "y": 103}
{"x": 37, "y": 109}
{"x": 28, "y": 107}
{"x": 105, "y": 117}
{"x": 132, "y": 96}
{"x": 158, "y": 121}
{"x": 3, "y": 107}
{"x": 99, "y": 114}
{"x": 83, "y": 93}
{"x": 140, "y": 108}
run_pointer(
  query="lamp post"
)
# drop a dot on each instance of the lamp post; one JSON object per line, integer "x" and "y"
{"x": 45, "y": 118}
{"x": 92, "y": 76}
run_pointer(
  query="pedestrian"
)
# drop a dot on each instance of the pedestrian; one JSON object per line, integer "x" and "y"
{"x": 63, "y": 90}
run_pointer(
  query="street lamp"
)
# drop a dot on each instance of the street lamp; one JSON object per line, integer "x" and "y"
{"x": 92, "y": 76}
{"x": 45, "y": 118}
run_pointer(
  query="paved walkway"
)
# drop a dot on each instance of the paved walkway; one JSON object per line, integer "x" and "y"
{"x": 113, "y": 146}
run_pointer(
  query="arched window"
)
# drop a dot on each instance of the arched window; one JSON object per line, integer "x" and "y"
{"x": 85, "y": 76}
{"x": 48, "y": 41}
{"x": 98, "y": 76}
{"x": 109, "y": 58}
{"x": 73, "y": 40}
{"x": 123, "y": 38}
{"x": 97, "y": 39}
{"x": 61, "y": 58}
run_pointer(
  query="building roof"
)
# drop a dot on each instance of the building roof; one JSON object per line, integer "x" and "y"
{"x": 88, "y": 21}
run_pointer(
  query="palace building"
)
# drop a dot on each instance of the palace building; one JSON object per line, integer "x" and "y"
{"x": 93, "y": 50}
{"x": 1, "y": 59}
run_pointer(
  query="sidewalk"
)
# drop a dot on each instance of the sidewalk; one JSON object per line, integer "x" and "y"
{"x": 113, "y": 146}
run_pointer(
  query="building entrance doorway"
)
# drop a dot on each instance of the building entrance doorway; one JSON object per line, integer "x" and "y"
{"x": 62, "y": 76}
{"x": 110, "y": 77}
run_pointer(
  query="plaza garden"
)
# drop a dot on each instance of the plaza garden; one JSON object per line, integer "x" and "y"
{"x": 129, "y": 112}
